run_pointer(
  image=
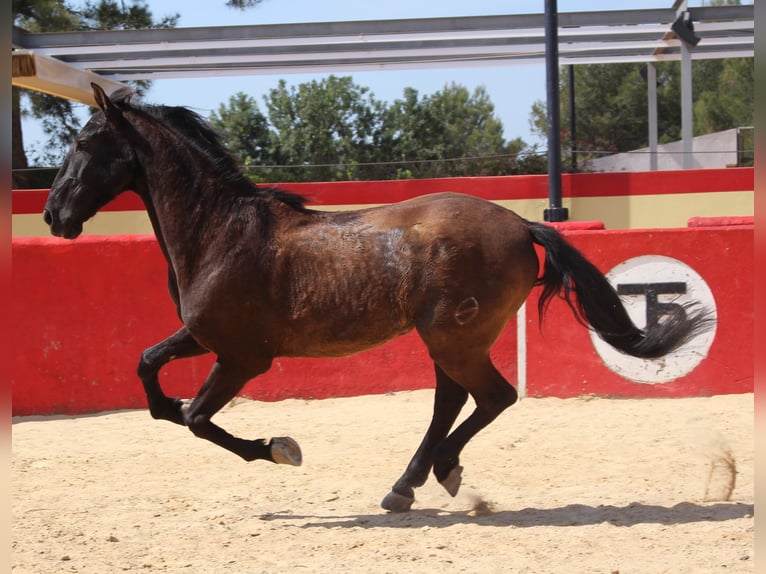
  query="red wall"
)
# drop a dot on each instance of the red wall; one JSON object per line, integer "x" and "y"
{"x": 562, "y": 361}
{"x": 85, "y": 309}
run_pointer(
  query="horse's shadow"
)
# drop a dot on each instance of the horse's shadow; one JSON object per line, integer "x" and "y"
{"x": 570, "y": 515}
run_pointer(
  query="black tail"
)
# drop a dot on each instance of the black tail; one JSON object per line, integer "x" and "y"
{"x": 598, "y": 305}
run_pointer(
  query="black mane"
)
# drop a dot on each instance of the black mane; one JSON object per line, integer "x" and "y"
{"x": 198, "y": 133}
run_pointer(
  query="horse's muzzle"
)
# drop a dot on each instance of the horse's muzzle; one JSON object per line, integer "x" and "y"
{"x": 67, "y": 230}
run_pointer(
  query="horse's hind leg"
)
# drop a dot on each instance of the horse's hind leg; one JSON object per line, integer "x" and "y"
{"x": 222, "y": 385}
{"x": 179, "y": 345}
{"x": 448, "y": 401}
{"x": 493, "y": 394}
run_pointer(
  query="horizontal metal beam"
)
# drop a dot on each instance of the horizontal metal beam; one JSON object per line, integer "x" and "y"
{"x": 377, "y": 45}
{"x": 345, "y": 67}
{"x": 621, "y": 21}
{"x": 351, "y": 29}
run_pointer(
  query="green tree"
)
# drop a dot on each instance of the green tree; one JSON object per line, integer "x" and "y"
{"x": 611, "y": 103}
{"x": 725, "y": 98}
{"x": 334, "y": 129}
{"x": 243, "y": 4}
{"x": 450, "y": 133}
{"x": 414, "y": 136}
{"x": 58, "y": 116}
{"x": 245, "y": 130}
{"x": 523, "y": 159}
{"x": 332, "y": 124}
{"x": 471, "y": 129}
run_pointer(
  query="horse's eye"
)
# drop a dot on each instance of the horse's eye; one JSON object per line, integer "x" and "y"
{"x": 81, "y": 145}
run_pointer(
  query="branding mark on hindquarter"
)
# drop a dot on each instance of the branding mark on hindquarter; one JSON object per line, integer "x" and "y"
{"x": 466, "y": 311}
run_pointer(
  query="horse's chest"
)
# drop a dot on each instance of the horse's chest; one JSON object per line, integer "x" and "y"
{"x": 219, "y": 307}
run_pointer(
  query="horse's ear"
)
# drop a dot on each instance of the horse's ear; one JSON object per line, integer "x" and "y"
{"x": 104, "y": 102}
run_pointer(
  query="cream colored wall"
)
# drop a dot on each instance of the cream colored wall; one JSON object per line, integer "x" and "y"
{"x": 104, "y": 223}
{"x": 660, "y": 211}
{"x": 622, "y": 212}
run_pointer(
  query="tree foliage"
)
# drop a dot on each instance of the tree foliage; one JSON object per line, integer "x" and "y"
{"x": 333, "y": 124}
{"x": 247, "y": 130}
{"x": 333, "y": 129}
{"x": 611, "y": 103}
{"x": 451, "y": 123}
{"x": 243, "y": 4}
{"x": 58, "y": 116}
{"x": 726, "y": 95}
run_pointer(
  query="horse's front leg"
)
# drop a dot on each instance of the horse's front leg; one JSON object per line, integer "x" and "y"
{"x": 221, "y": 386}
{"x": 178, "y": 346}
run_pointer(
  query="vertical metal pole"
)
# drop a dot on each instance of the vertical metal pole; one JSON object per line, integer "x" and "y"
{"x": 572, "y": 118}
{"x": 651, "y": 80}
{"x": 555, "y": 212}
{"x": 687, "y": 122}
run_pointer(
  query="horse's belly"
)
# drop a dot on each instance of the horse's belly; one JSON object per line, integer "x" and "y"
{"x": 340, "y": 314}
{"x": 337, "y": 341}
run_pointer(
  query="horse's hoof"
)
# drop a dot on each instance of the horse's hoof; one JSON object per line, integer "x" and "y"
{"x": 395, "y": 502}
{"x": 452, "y": 483}
{"x": 285, "y": 450}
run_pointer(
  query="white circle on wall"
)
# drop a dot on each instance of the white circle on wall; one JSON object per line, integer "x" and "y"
{"x": 649, "y": 285}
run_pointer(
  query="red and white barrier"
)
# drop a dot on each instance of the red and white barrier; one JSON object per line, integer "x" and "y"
{"x": 84, "y": 310}
{"x": 562, "y": 359}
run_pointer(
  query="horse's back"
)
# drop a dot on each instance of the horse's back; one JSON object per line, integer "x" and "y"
{"x": 475, "y": 264}
{"x": 345, "y": 281}
{"x": 445, "y": 238}
{"x": 468, "y": 224}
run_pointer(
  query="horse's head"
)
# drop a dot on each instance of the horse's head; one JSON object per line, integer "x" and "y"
{"x": 99, "y": 166}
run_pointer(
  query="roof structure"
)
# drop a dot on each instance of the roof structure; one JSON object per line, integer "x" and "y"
{"x": 65, "y": 63}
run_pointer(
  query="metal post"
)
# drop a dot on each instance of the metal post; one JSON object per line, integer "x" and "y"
{"x": 555, "y": 212}
{"x": 651, "y": 80}
{"x": 687, "y": 122}
{"x": 572, "y": 118}
{"x": 684, "y": 30}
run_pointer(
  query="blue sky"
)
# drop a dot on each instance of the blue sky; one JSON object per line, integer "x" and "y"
{"x": 513, "y": 89}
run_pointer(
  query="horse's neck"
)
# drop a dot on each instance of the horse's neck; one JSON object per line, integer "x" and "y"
{"x": 185, "y": 207}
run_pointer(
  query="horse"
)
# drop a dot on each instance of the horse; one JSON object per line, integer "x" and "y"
{"x": 255, "y": 274}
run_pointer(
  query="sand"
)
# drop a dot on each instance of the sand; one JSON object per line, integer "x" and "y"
{"x": 584, "y": 485}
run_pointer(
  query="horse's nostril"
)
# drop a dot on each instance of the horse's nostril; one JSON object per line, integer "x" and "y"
{"x": 47, "y": 217}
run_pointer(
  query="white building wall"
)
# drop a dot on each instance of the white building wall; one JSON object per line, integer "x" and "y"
{"x": 710, "y": 151}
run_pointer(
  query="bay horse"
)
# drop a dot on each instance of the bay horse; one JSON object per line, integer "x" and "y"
{"x": 255, "y": 275}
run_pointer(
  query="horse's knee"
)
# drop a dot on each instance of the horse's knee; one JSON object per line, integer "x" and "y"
{"x": 149, "y": 364}
{"x": 145, "y": 370}
{"x": 198, "y": 424}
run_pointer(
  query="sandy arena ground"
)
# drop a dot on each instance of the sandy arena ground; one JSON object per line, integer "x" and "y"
{"x": 553, "y": 486}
